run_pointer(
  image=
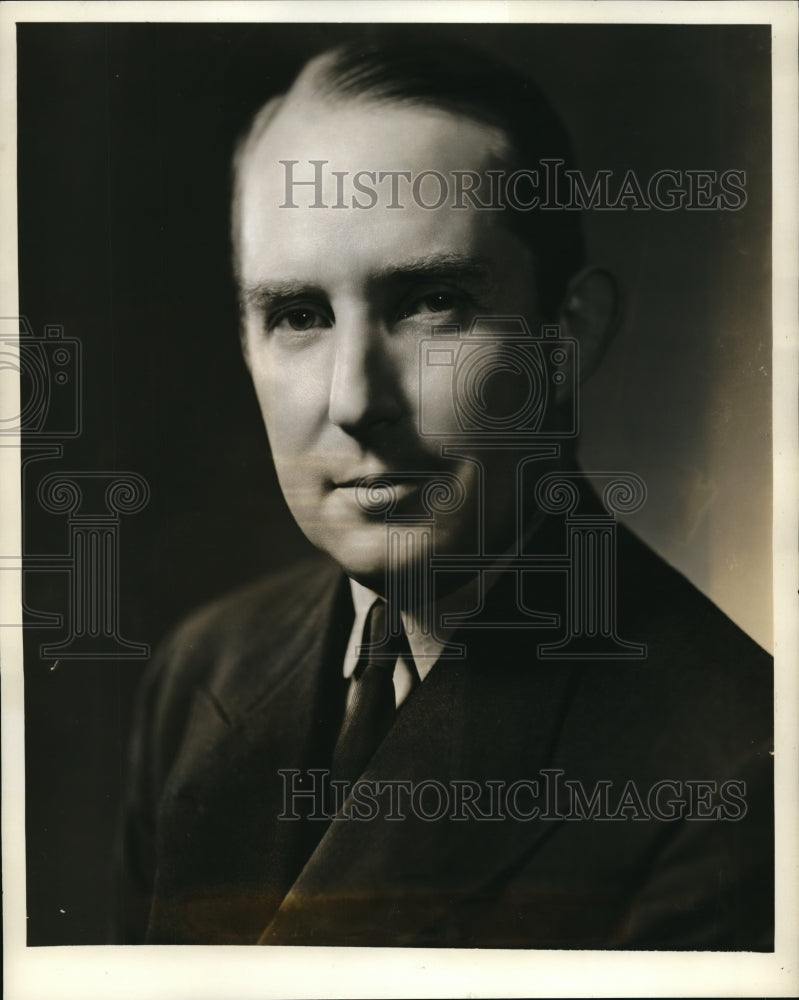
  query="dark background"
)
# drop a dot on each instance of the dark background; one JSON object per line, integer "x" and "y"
{"x": 124, "y": 136}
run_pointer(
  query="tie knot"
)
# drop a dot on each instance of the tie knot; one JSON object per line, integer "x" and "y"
{"x": 383, "y": 639}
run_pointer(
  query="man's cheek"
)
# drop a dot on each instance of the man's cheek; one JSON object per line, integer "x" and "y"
{"x": 301, "y": 489}
{"x": 432, "y": 401}
{"x": 289, "y": 414}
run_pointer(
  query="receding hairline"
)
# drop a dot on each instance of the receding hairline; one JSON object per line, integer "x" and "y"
{"x": 317, "y": 84}
{"x": 451, "y": 81}
{"x": 312, "y": 88}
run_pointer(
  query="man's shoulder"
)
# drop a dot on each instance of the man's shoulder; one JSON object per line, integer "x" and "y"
{"x": 672, "y": 615}
{"x": 270, "y": 600}
{"x": 248, "y": 624}
{"x": 701, "y": 692}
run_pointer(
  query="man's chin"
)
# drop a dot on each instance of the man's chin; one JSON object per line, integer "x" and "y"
{"x": 370, "y": 553}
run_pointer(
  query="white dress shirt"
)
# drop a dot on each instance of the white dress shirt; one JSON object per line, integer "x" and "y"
{"x": 425, "y": 647}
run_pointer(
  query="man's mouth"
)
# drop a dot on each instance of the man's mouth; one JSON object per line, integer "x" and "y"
{"x": 402, "y": 493}
{"x": 380, "y": 492}
{"x": 371, "y": 479}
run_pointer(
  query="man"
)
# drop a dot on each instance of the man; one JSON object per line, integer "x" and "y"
{"x": 397, "y": 744}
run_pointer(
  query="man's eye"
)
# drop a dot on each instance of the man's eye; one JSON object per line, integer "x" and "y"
{"x": 435, "y": 302}
{"x": 301, "y": 318}
{"x": 440, "y": 301}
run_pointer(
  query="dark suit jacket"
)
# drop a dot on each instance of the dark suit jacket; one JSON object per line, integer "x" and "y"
{"x": 252, "y": 685}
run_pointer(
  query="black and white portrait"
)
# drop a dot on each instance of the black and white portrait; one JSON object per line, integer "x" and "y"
{"x": 394, "y": 445}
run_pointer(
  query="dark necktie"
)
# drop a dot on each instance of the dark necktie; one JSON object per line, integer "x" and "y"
{"x": 372, "y": 708}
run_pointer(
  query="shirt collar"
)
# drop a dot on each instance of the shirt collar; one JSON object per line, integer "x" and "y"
{"x": 425, "y": 647}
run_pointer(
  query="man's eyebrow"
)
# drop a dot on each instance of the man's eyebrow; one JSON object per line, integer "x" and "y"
{"x": 260, "y": 293}
{"x": 431, "y": 267}
{"x": 450, "y": 266}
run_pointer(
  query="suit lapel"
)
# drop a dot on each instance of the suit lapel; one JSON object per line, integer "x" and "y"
{"x": 494, "y": 716}
{"x": 263, "y": 714}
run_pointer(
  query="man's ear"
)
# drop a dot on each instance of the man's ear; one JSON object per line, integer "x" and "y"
{"x": 591, "y": 314}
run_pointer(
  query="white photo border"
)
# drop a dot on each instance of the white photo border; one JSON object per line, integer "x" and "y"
{"x": 222, "y": 973}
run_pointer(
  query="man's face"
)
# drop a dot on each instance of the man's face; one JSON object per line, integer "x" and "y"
{"x": 337, "y": 305}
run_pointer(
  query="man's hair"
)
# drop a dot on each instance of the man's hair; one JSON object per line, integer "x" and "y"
{"x": 463, "y": 80}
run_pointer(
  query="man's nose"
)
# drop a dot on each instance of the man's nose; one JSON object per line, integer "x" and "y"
{"x": 364, "y": 390}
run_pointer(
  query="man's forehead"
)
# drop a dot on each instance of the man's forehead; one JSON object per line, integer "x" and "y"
{"x": 308, "y": 160}
{"x": 332, "y": 249}
{"x": 361, "y": 133}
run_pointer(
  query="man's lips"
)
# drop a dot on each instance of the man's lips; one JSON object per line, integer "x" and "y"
{"x": 393, "y": 492}
{"x": 371, "y": 480}
{"x": 393, "y": 477}
{"x": 379, "y": 491}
